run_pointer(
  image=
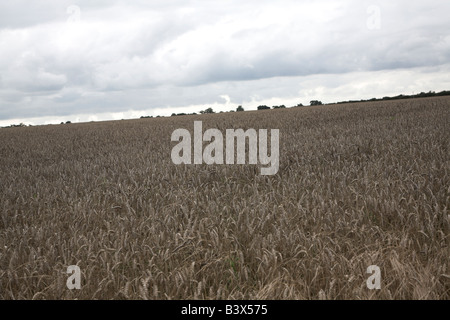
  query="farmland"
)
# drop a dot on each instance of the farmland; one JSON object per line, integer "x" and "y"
{"x": 358, "y": 184}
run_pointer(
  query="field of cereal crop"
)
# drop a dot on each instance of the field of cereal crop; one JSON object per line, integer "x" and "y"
{"x": 359, "y": 184}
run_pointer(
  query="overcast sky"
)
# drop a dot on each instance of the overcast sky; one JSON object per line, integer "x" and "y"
{"x": 96, "y": 60}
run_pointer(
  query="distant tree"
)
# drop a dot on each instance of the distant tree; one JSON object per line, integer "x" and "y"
{"x": 315, "y": 102}
{"x": 263, "y": 107}
{"x": 443, "y": 93}
{"x": 16, "y": 125}
{"x": 239, "y": 108}
{"x": 68, "y": 122}
{"x": 299, "y": 105}
{"x": 208, "y": 110}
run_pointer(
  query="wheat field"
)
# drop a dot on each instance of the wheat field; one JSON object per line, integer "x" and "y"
{"x": 359, "y": 184}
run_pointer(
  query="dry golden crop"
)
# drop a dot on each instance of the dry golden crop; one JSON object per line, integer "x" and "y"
{"x": 359, "y": 184}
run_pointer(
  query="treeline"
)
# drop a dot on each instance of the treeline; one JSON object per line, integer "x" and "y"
{"x": 319, "y": 103}
{"x": 312, "y": 103}
{"x": 402, "y": 96}
{"x": 21, "y": 125}
{"x": 238, "y": 109}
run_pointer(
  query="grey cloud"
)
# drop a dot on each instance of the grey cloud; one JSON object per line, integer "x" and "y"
{"x": 122, "y": 55}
